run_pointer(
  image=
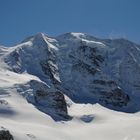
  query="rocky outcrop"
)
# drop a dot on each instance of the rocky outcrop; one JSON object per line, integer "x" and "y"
{"x": 5, "y": 135}
{"x": 83, "y": 67}
{"x": 91, "y": 54}
{"x": 50, "y": 69}
{"x": 48, "y": 100}
{"x": 54, "y": 102}
{"x": 3, "y": 102}
{"x": 116, "y": 98}
{"x": 110, "y": 94}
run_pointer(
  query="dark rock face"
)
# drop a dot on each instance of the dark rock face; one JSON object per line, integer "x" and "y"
{"x": 53, "y": 100}
{"x": 5, "y": 135}
{"x": 91, "y": 54}
{"x": 3, "y": 102}
{"x": 86, "y": 53}
{"x": 110, "y": 93}
{"x": 57, "y": 97}
{"x": 88, "y": 62}
{"x": 116, "y": 98}
{"x": 49, "y": 101}
{"x": 14, "y": 62}
{"x": 105, "y": 83}
{"x": 50, "y": 70}
{"x": 83, "y": 67}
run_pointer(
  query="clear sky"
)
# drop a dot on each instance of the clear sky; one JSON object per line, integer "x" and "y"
{"x": 101, "y": 18}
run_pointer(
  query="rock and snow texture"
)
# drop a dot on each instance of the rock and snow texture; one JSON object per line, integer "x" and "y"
{"x": 66, "y": 79}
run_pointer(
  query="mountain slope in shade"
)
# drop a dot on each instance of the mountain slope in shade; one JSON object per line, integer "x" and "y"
{"x": 65, "y": 78}
{"x": 87, "y": 69}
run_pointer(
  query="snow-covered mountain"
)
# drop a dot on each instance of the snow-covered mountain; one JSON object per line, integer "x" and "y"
{"x": 74, "y": 78}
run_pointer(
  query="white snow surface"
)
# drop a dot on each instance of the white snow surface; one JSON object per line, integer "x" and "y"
{"x": 90, "y": 121}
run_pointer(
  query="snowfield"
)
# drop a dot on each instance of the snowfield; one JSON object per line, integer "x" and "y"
{"x": 90, "y": 121}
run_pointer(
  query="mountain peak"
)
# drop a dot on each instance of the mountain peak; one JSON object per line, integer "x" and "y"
{"x": 34, "y": 38}
{"x": 39, "y": 35}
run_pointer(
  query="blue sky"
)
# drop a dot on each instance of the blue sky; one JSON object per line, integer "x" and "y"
{"x": 101, "y": 18}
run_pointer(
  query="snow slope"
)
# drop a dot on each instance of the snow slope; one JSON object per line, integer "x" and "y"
{"x": 70, "y": 63}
